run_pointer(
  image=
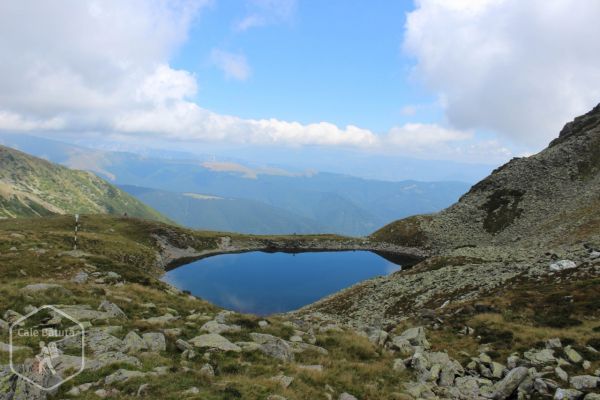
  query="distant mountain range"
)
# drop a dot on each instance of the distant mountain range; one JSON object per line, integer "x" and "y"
{"x": 251, "y": 199}
{"x": 30, "y": 187}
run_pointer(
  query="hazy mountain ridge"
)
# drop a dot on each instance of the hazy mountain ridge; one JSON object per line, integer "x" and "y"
{"x": 306, "y": 202}
{"x": 30, "y": 186}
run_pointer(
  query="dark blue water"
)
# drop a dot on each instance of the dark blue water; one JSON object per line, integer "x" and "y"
{"x": 267, "y": 283}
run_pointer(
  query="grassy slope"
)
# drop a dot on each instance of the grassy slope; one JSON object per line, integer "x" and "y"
{"x": 30, "y": 186}
{"x": 517, "y": 317}
{"x": 125, "y": 246}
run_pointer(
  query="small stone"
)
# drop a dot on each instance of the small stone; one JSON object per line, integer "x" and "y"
{"x": 80, "y": 278}
{"x": 190, "y": 391}
{"x": 553, "y": 343}
{"x": 399, "y": 365}
{"x": 207, "y": 370}
{"x": 284, "y": 381}
{"x": 296, "y": 339}
{"x": 346, "y": 396}
{"x": 263, "y": 324}
{"x": 183, "y": 345}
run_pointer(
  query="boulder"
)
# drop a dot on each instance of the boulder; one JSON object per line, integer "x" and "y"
{"x": 283, "y": 381}
{"x": 402, "y": 345}
{"x": 217, "y": 327}
{"x": 42, "y": 287}
{"x": 263, "y": 324}
{"x": 377, "y": 336}
{"x": 111, "y": 309}
{"x": 416, "y": 337}
{"x": 273, "y": 346}
{"x": 562, "y": 265}
{"x": 182, "y": 345}
{"x": 346, "y": 396}
{"x": 215, "y": 341}
{"x": 584, "y": 382}
{"x": 506, "y": 387}
{"x": 162, "y": 320}
{"x": 155, "y": 341}
{"x": 572, "y": 355}
{"x": 122, "y": 375}
{"x": 133, "y": 343}
{"x": 207, "y": 370}
{"x": 592, "y": 396}
{"x": 561, "y": 374}
{"x": 540, "y": 357}
{"x": 568, "y": 394}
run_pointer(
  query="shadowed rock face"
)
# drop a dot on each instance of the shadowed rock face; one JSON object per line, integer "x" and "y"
{"x": 528, "y": 199}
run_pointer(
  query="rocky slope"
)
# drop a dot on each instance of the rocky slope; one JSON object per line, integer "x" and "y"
{"x": 553, "y": 195}
{"x": 30, "y": 186}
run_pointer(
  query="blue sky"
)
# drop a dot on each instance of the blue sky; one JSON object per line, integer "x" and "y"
{"x": 337, "y": 61}
{"x": 362, "y": 87}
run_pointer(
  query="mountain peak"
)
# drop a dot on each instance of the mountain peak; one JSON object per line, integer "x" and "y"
{"x": 587, "y": 122}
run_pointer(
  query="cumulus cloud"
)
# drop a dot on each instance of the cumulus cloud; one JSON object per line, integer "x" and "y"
{"x": 102, "y": 68}
{"x": 266, "y": 12}
{"x": 233, "y": 65}
{"x": 518, "y": 68}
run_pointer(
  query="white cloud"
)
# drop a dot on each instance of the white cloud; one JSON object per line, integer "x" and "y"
{"x": 234, "y": 66}
{"x": 266, "y": 12}
{"x": 518, "y": 68}
{"x": 14, "y": 122}
{"x": 101, "y": 68}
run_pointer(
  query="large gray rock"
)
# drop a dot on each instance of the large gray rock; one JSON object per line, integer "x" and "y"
{"x": 416, "y": 337}
{"x": 217, "y": 327}
{"x": 155, "y": 341}
{"x": 162, "y": 320}
{"x": 572, "y": 355}
{"x": 376, "y": 336}
{"x": 540, "y": 357}
{"x": 214, "y": 341}
{"x": 133, "y": 343}
{"x": 42, "y": 287}
{"x": 592, "y": 396}
{"x": 122, "y": 375}
{"x": 112, "y": 309}
{"x": 568, "y": 394}
{"x": 584, "y": 382}
{"x": 562, "y": 265}
{"x": 273, "y": 346}
{"x": 507, "y": 386}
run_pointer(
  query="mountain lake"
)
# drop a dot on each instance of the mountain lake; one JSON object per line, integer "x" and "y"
{"x": 265, "y": 283}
